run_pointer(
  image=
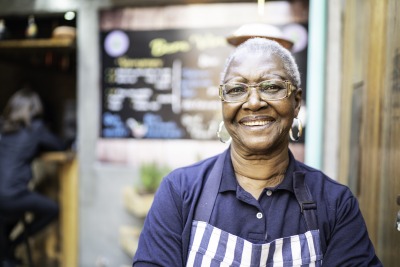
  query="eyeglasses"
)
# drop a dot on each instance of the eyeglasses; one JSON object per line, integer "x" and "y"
{"x": 268, "y": 90}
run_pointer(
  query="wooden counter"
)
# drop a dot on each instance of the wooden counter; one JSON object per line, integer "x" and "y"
{"x": 68, "y": 200}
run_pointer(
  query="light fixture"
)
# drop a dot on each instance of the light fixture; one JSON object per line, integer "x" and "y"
{"x": 70, "y": 15}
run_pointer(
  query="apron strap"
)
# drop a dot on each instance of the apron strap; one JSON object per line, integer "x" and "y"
{"x": 307, "y": 205}
{"x": 210, "y": 190}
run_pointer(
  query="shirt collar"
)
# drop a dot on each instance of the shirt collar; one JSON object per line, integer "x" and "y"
{"x": 287, "y": 183}
{"x": 229, "y": 182}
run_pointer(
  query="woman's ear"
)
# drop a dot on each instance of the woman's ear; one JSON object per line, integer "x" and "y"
{"x": 298, "y": 99}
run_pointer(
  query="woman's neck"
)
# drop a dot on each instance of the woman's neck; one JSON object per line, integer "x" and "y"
{"x": 256, "y": 172}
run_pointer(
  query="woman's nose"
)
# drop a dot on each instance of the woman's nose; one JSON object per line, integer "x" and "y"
{"x": 254, "y": 101}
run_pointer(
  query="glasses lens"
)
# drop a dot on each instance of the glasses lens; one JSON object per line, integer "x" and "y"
{"x": 234, "y": 92}
{"x": 267, "y": 90}
{"x": 272, "y": 89}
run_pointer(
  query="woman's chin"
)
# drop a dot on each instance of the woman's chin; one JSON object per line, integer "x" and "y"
{"x": 260, "y": 145}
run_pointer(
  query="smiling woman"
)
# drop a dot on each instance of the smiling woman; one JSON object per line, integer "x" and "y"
{"x": 259, "y": 121}
{"x": 255, "y": 204}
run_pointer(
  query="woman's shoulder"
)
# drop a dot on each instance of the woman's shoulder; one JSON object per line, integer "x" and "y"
{"x": 39, "y": 126}
{"x": 324, "y": 187}
{"x": 38, "y": 123}
{"x": 316, "y": 174}
{"x": 184, "y": 184}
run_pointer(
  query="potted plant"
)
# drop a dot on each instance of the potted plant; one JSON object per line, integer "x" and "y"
{"x": 138, "y": 198}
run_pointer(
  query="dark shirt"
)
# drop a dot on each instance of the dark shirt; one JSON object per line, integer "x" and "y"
{"x": 164, "y": 240}
{"x": 18, "y": 150}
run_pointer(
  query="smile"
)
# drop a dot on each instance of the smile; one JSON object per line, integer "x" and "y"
{"x": 255, "y": 123}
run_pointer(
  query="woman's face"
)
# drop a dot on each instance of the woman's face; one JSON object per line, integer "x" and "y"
{"x": 257, "y": 126}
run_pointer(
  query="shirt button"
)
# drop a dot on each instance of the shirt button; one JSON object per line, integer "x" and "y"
{"x": 259, "y": 215}
{"x": 269, "y": 193}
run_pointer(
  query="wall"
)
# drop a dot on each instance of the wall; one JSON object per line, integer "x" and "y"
{"x": 332, "y": 95}
{"x": 369, "y": 142}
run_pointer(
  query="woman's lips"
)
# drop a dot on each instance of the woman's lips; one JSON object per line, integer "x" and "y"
{"x": 256, "y": 121}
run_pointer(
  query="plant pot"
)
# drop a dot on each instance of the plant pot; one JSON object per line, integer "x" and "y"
{"x": 129, "y": 239}
{"x": 137, "y": 203}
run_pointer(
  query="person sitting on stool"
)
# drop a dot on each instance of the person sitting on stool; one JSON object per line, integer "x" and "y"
{"x": 23, "y": 135}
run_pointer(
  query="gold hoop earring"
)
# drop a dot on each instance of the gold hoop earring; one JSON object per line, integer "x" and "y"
{"x": 223, "y": 134}
{"x": 299, "y": 132}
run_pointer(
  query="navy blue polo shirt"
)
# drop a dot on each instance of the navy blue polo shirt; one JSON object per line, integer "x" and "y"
{"x": 164, "y": 240}
{"x": 274, "y": 215}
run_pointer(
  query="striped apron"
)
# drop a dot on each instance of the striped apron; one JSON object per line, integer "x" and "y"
{"x": 210, "y": 246}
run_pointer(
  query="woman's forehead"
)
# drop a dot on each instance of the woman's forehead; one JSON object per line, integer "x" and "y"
{"x": 256, "y": 63}
{"x": 243, "y": 55}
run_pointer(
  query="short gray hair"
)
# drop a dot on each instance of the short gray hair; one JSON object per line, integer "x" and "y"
{"x": 270, "y": 47}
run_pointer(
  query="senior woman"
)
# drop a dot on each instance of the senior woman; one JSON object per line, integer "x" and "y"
{"x": 254, "y": 204}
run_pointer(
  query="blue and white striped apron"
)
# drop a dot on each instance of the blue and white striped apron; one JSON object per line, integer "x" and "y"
{"x": 210, "y": 246}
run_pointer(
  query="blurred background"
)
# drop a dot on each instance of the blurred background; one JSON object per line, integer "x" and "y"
{"x": 133, "y": 85}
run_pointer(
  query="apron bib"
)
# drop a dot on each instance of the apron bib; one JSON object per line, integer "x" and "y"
{"x": 210, "y": 246}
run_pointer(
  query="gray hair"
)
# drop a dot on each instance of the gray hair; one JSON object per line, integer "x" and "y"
{"x": 23, "y": 106}
{"x": 269, "y": 47}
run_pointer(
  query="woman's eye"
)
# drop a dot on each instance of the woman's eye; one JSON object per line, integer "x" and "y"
{"x": 235, "y": 90}
{"x": 270, "y": 87}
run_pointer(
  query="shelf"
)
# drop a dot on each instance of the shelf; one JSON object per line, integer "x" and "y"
{"x": 38, "y": 43}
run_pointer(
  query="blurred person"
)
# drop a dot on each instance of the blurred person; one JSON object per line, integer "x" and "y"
{"x": 255, "y": 204}
{"x": 23, "y": 136}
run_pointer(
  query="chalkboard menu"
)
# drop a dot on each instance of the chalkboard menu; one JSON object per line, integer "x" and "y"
{"x": 162, "y": 84}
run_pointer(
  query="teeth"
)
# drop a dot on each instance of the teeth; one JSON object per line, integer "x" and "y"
{"x": 255, "y": 123}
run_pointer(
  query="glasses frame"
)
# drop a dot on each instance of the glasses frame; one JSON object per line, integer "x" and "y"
{"x": 289, "y": 87}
